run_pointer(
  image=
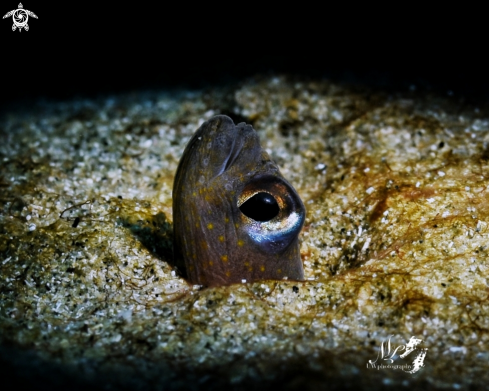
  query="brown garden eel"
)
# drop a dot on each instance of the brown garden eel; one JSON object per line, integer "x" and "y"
{"x": 236, "y": 219}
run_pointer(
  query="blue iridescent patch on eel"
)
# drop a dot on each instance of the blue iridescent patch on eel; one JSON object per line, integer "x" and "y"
{"x": 235, "y": 217}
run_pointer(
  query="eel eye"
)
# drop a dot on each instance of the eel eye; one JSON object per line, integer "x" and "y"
{"x": 272, "y": 213}
{"x": 261, "y": 207}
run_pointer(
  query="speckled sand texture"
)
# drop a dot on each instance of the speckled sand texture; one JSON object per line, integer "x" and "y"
{"x": 395, "y": 240}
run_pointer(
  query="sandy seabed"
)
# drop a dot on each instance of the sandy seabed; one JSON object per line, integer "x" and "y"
{"x": 394, "y": 245}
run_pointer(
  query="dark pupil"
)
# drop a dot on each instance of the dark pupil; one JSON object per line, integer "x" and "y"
{"x": 260, "y": 207}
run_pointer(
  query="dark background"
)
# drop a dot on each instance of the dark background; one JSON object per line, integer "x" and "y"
{"x": 84, "y": 49}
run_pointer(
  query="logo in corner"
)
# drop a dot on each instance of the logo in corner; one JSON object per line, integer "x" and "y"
{"x": 20, "y": 16}
{"x": 388, "y": 354}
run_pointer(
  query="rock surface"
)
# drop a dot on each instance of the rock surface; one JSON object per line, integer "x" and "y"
{"x": 395, "y": 242}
